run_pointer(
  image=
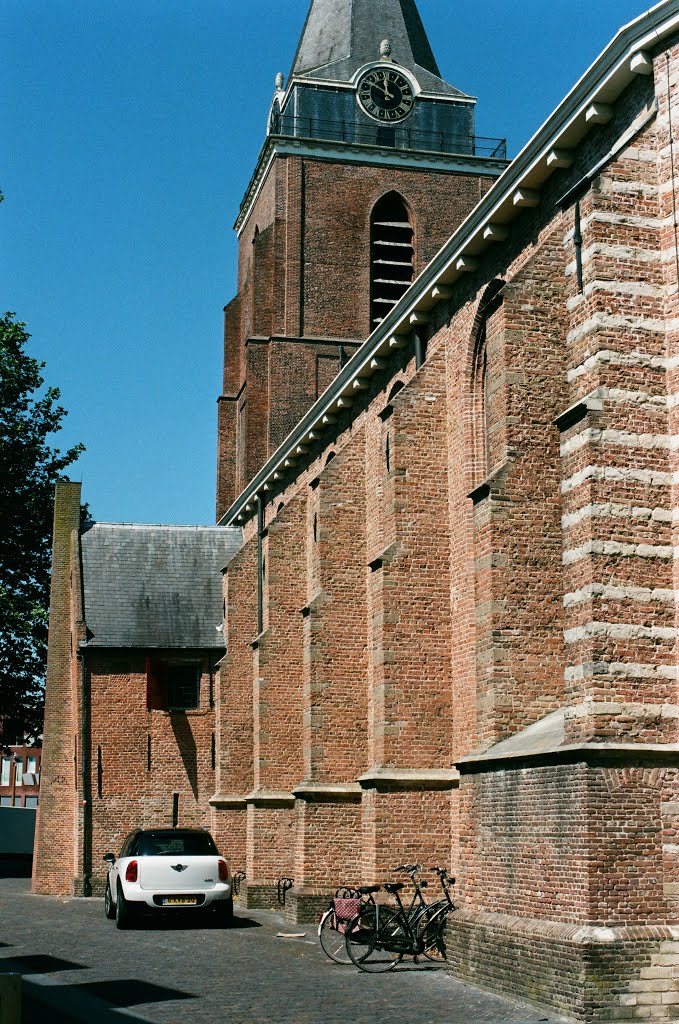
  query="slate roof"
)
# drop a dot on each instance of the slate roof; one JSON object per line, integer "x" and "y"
{"x": 155, "y": 586}
{"x": 340, "y": 36}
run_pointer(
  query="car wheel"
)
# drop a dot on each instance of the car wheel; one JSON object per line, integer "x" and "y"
{"x": 224, "y": 912}
{"x": 125, "y": 912}
{"x": 109, "y": 908}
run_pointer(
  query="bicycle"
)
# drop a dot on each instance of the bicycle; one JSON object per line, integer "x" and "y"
{"x": 344, "y": 906}
{"x": 426, "y": 917}
{"x": 379, "y": 936}
{"x": 434, "y": 920}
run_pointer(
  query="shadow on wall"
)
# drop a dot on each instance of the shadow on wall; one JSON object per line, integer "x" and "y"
{"x": 181, "y": 727}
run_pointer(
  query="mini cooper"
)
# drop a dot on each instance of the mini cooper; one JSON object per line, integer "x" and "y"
{"x": 167, "y": 870}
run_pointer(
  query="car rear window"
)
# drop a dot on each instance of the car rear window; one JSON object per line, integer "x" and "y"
{"x": 172, "y": 844}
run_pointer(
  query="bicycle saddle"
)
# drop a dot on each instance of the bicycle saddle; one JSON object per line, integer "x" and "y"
{"x": 365, "y": 890}
{"x": 394, "y": 886}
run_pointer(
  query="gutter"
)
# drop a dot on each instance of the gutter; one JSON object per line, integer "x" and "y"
{"x": 585, "y": 106}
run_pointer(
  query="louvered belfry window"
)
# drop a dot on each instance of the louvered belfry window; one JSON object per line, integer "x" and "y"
{"x": 391, "y": 255}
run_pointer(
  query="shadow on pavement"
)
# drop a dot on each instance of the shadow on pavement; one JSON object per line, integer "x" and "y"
{"x": 95, "y": 1001}
{"x": 129, "y": 992}
{"x": 41, "y": 963}
{"x": 161, "y": 922}
{"x": 15, "y": 866}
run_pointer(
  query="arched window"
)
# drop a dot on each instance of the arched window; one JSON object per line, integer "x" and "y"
{"x": 391, "y": 255}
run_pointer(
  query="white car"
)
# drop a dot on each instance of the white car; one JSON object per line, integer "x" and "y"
{"x": 167, "y": 869}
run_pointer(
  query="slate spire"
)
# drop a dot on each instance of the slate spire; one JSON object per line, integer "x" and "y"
{"x": 340, "y": 36}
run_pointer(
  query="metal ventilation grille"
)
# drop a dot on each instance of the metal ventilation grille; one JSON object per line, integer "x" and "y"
{"x": 391, "y": 256}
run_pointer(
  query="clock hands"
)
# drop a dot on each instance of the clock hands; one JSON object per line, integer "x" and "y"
{"x": 385, "y": 86}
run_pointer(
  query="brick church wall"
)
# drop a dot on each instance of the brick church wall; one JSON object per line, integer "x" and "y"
{"x": 309, "y": 223}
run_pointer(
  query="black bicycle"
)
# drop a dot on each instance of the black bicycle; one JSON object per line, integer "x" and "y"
{"x": 380, "y": 936}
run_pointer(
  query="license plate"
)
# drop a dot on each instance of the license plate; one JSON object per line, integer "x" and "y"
{"x": 179, "y": 901}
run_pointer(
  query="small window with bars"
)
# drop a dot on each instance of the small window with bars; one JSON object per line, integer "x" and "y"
{"x": 391, "y": 255}
{"x": 172, "y": 685}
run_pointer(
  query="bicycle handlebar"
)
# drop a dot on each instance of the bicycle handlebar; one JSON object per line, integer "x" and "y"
{"x": 410, "y": 869}
{"x": 446, "y": 879}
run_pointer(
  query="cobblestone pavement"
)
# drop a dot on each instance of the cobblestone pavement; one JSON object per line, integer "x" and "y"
{"x": 78, "y": 967}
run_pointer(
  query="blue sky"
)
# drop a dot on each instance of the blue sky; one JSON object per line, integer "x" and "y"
{"x": 131, "y": 129}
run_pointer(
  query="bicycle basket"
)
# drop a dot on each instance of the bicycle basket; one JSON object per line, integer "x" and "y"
{"x": 345, "y": 910}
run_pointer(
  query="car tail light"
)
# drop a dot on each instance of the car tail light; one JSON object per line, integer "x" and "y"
{"x": 223, "y": 871}
{"x": 132, "y": 872}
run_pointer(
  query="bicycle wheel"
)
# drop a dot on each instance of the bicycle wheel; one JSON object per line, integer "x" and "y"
{"x": 373, "y": 939}
{"x": 433, "y": 934}
{"x": 333, "y": 942}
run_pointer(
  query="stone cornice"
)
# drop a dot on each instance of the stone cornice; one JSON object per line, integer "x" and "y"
{"x": 352, "y": 152}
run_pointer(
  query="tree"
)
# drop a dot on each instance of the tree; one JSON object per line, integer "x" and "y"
{"x": 29, "y": 468}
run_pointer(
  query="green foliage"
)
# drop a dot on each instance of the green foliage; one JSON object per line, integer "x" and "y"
{"x": 29, "y": 468}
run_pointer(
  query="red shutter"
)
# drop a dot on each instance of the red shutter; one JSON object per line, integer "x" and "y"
{"x": 154, "y": 683}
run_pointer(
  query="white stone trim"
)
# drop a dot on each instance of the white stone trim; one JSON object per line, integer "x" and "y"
{"x": 610, "y": 592}
{"x": 639, "y": 155}
{"x": 624, "y": 253}
{"x": 611, "y": 184}
{"x": 616, "y": 510}
{"x": 594, "y": 435}
{"x": 649, "y": 477}
{"x": 616, "y": 547}
{"x": 625, "y": 220}
{"x": 619, "y": 631}
{"x": 613, "y": 358}
{"x": 631, "y": 669}
{"x": 642, "y": 399}
{"x": 595, "y": 708}
{"x": 617, "y": 321}
{"x": 633, "y": 288}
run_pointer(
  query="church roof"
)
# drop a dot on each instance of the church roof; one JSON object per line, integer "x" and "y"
{"x": 155, "y": 586}
{"x": 340, "y": 36}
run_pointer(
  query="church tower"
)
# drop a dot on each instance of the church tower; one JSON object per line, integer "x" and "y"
{"x": 369, "y": 164}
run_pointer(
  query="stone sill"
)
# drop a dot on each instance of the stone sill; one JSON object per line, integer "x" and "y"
{"x": 270, "y": 798}
{"x": 228, "y": 800}
{"x": 410, "y": 778}
{"x": 578, "y": 411}
{"x": 312, "y": 792}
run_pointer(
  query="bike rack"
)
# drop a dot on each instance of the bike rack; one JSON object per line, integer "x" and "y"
{"x": 282, "y": 887}
{"x": 237, "y": 879}
{"x": 347, "y": 892}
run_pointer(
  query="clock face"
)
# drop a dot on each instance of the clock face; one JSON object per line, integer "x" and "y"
{"x": 386, "y": 94}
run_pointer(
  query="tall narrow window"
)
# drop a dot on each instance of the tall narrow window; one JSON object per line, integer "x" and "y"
{"x": 481, "y": 382}
{"x": 391, "y": 255}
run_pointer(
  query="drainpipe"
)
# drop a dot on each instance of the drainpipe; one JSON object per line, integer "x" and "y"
{"x": 260, "y": 574}
{"x": 84, "y": 780}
